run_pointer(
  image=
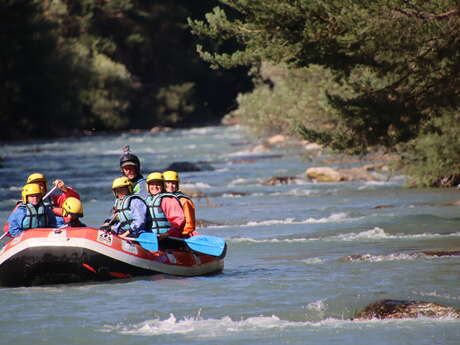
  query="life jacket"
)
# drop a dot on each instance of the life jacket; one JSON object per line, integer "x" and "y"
{"x": 140, "y": 186}
{"x": 179, "y": 195}
{"x": 160, "y": 224}
{"x": 123, "y": 209}
{"x": 35, "y": 217}
{"x": 188, "y": 229}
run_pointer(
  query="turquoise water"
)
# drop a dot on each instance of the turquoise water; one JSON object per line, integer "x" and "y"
{"x": 288, "y": 276}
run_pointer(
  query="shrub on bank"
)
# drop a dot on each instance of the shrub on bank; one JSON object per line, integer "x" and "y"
{"x": 433, "y": 158}
{"x": 286, "y": 99}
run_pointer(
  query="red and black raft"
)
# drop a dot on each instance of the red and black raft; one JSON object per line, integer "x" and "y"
{"x": 71, "y": 255}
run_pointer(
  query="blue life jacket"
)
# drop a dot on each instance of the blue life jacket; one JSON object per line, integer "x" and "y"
{"x": 160, "y": 224}
{"x": 140, "y": 186}
{"x": 35, "y": 217}
{"x": 123, "y": 209}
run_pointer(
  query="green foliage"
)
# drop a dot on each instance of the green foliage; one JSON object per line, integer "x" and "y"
{"x": 433, "y": 158}
{"x": 106, "y": 95}
{"x": 399, "y": 58}
{"x": 289, "y": 101}
{"x": 175, "y": 103}
{"x": 105, "y": 65}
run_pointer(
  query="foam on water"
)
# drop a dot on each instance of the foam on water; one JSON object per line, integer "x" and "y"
{"x": 396, "y": 181}
{"x": 198, "y": 185}
{"x": 12, "y": 188}
{"x": 312, "y": 261}
{"x": 379, "y": 258}
{"x": 378, "y": 234}
{"x": 199, "y": 326}
{"x": 318, "y": 306}
{"x": 298, "y": 192}
{"x": 372, "y": 234}
{"x": 435, "y": 294}
{"x": 229, "y": 195}
{"x": 333, "y": 218}
{"x": 208, "y": 328}
{"x": 273, "y": 240}
{"x": 244, "y": 181}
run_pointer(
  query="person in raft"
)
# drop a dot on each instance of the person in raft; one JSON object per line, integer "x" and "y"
{"x": 70, "y": 213}
{"x": 171, "y": 181}
{"x": 167, "y": 215}
{"x": 130, "y": 211}
{"x": 57, "y": 199}
{"x": 31, "y": 212}
{"x": 130, "y": 167}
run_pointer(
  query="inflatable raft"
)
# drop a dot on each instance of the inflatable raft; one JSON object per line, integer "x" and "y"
{"x": 68, "y": 255}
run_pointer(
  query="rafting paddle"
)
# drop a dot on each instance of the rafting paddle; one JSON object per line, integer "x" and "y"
{"x": 49, "y": 193}
{"x": 147, "y": 240}
{"x": 204, "y": 244}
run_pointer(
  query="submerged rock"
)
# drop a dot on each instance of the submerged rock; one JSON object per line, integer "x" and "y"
{"x": 397, "y": 309}
{"x": 189, "y": 166}
{"x": 277, "y": 180}
{"x": 193, "y": 193}
{"x": 453, "y": 203}
{"x": 202, "y": 223}
{"x": 440, "y": 253}
{"x": 159, "y": 129}
{"x": 382, "y": 206}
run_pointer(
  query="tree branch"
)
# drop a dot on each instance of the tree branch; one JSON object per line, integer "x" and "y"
{"x": 411, "y": 13}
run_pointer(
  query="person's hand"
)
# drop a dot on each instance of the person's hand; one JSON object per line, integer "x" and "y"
{"x": 105, "y": 227}
{"x": 125, "y": 234}
{"x": 60, "y": 185}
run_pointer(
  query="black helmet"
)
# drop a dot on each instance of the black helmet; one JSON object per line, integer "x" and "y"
{"x": 127, "y": 158}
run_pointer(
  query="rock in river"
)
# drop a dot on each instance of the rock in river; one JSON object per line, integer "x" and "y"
{"x": 190, "y": 166}
{"x": 396, "y": 309}
{"x": 277, "y": 180}
{"x": 328, "y": 174}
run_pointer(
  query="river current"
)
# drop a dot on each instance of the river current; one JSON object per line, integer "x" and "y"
{"x": 302, "y": 258}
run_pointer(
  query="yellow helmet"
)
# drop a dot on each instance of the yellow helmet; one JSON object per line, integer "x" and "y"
{"x": 171, "y": 176}
{"x": 120, "y": 182}
{"x": 155, "y": 176}
{"x": 36, "y": 177}
{"x": 72, "y": 205}
{"x": 30, "y": 189}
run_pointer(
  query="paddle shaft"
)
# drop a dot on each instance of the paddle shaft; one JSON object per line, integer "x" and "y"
{"x": 49, "y": 193}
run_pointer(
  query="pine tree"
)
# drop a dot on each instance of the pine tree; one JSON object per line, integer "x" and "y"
{"x": 401, "y": 58}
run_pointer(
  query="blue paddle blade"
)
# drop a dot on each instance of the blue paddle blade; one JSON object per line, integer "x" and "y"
{"x": 148, "y": 240}
{"x": 206, "y": 244}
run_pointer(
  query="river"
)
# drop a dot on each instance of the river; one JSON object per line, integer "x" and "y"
{"x": 302, "y": 258}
